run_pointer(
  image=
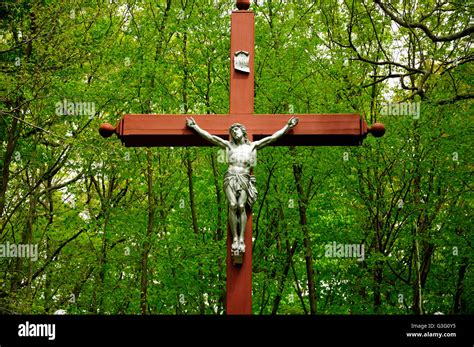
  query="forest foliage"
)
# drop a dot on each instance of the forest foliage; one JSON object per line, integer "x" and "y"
{"x": 142, "y": 230}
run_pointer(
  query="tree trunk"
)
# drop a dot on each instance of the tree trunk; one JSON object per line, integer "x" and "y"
{"x": 458, "y": 305}
{"x": 297, "y": 285}
{"x": 219, "y": 202}
{"x": 149, "y": 231}
{"x": 5, "y": 174}
{"x": 189, "y": 169}
{"x": 303, "y": 203}
{"x": 417, "y": 289}
{"x": 27, "y": 237}
{"x": 378, "y": 275}
{"x": 291, "y": 251}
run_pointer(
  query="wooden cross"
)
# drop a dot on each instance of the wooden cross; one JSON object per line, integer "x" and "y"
{"x": 149, "y": 130}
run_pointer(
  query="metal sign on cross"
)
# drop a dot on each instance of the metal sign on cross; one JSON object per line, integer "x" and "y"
{"x": 151, "y": 130}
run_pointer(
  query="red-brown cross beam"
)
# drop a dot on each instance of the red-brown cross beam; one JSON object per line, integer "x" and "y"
{"x": 148, "y": 130}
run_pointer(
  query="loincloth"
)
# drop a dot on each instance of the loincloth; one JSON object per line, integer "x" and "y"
{"x": 242, "y": 181}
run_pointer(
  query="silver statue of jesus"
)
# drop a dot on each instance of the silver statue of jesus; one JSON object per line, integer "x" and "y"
{"x": 239, "y": 183}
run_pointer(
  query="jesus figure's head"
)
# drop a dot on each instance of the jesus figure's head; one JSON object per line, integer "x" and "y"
{"x": 238, "y": 134}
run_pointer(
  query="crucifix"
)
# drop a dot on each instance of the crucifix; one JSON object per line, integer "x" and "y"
{"x": 241, "y": 133}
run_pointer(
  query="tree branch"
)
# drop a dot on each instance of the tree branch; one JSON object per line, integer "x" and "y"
{"x": 466, "y": 32}
{"x": 56, "y": 252}
{"x": 458, "y": 97}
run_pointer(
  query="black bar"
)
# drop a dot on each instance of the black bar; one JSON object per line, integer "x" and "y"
{"x": 243, "y": 330}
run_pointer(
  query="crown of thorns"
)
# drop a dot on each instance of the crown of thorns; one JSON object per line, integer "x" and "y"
{"x": 238, "y": 125}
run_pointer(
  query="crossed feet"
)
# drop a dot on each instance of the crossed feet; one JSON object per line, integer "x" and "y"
{"x": 238, "y": 245}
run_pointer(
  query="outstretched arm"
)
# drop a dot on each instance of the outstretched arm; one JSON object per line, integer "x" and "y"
{"x": 191, "y": 123}
{"x": 280, "y": 133}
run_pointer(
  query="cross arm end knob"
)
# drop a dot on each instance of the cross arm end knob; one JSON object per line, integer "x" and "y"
{"x": 106, "y": 130}
{"x": 243, "y": 4}
{"x": 377, "y": 129}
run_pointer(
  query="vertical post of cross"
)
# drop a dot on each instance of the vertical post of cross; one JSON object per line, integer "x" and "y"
{"x": 239, "y": 276}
